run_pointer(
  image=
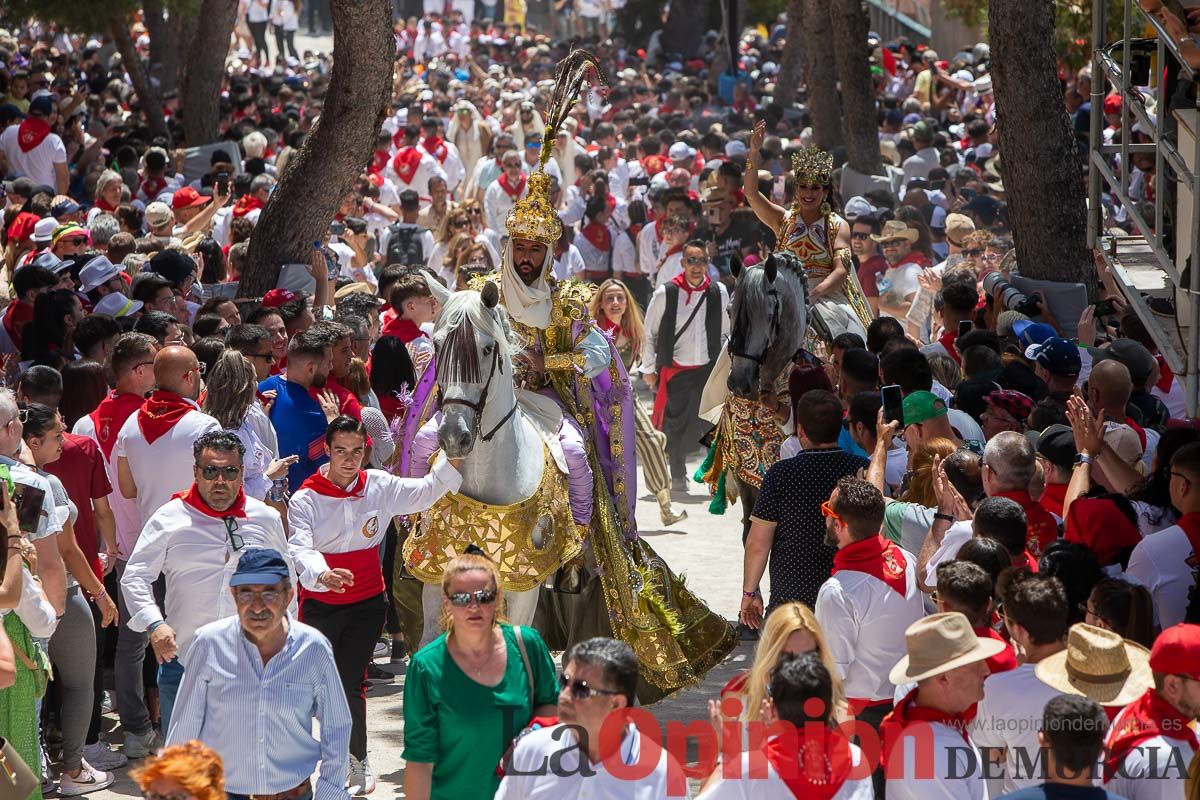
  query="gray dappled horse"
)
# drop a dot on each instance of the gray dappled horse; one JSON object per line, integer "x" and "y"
{"x": 769, "y": 314}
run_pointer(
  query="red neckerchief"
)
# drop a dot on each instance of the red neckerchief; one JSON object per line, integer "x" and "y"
{"x": 1148, "y": 716}
{"x": 19, "y": 312}
{"x": 406, "y": 162}
{"x": 245, "y": 204}
{"x": 31, "y": 132}
{"x": 110, "y": 415}
{"x": 820, "y": 767}
{"x": 152, "y": 187}
{"x": 436, "y": 147}
{"x": 103, "y": 206}
{"x": 670, "y": 252}
{"x": 878, "y": 557}
{"x": 321, "y": 484}
{"x": 653, "y": 164}
{"x": 379, "y": 160}
{"x": 1052, "y": 498}
{"x": 1139, "y": 430}
{"x": 160, "y": 412}
{"x": 1003, "y": 661}
{"x": 1165, "y": 376}
{"x": 947, "y": 340}
{"x": 682, "y": 282}
{"x": 1042, "y": 529}
{"x": 611, "y": 202}
{"x": 908, "y": 712}
{"x": 403, "y": 329}
{"x": 512, "y": 191}
{"x": 192, "y": 498}
{"x": 598, "y": 235}
{"x": 1097, "y": 523}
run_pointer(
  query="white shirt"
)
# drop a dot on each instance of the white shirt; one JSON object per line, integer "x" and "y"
{"x": 864, "y": 621}
{"x": 1160, "y": 562}
{"x": 38, "y": 163}
{"x": 259, "y": 11}
{"x": 452, "y": 167}
{"x": 691, "y": 347}
{"x": 557, "y": 744}
{"x": 194, "y": 552}
{"x": 649, "y": 249}
{"x": 428, "y": 168}
{"x": 1010, "y": 716}
{"x": 1154, "y": 770}
{"x": 956, "y": 536}
{"x": 256, "y": 460}
{"x": 161, "y": 469}
{"x": 920, "y": 163}
{"x": 752, "y": 784}
{"x": 322, "y": 524}
{"x": 569, "y": 265}
{"x": 497, "y": 203}
{"x": 623, "y": 259}
{"x": 954, "y": 774}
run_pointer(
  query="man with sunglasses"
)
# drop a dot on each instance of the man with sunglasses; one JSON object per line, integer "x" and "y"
{"x": 338, "y": 518}
{"x": 258, "y": 682}
{"x": 195, "y": 540}
{"x": 571, "y": 759}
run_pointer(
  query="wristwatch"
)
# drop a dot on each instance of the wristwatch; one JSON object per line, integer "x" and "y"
{"x": 1084, "y": 458}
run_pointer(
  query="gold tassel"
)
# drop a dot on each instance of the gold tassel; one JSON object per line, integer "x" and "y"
{"x": 655, "y": 601}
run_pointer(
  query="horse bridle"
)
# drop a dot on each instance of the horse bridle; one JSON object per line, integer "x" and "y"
{"x": 478, "y": 405}
{"x": 772, "y": 293}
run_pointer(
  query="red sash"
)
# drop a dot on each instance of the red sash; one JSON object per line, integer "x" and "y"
{"x": 245, "y": 204}
{"x": 1143, "y": 719}
{"x": 110, "y": 415}
{"x": 378, "y": 161}
{"x": 368, "y": 577}
{"x": 1042, "y": 530}
{"x": 512, "y": 191}
{"x": 1190, "y": 523}
{"x": 947, "y": 340}
{"x": 818, "y": 769}
{"x": 160, "y": 412}
{"x": 660, "y": 398}
{"x": 406, "y": 162}
{"x": 436, "y": 147}
{"x": 1139, "y": 430}
{"x": 878, "y": 557}
{"x": 32, "y": 132}
{"x": 192, "y": 498}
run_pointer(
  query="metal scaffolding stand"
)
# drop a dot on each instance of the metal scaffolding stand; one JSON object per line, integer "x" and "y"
{"x": 1142, "y": 264}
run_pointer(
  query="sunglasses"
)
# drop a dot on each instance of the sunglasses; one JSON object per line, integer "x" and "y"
{"x": 245, "y": 597}
{"x": 858, "y": 237}
{"x": 200, "y": 368}
{"x": 235, "y": 539}
{"x": 77, "y": 240}
{"x": 827, "y": 510}
{"x": 580, "y": 690}
{"x": 890, "y": 243}
{"x": 973, "y": 253}
{"x": 695, "y": 260}
{"x": 483, "y": 597}
{"x": 460, "y": 223}
{"x": 211, "y": 472}
{"x": 268, "y": 357}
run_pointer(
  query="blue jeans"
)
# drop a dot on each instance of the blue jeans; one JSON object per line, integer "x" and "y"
{"x": 170, "y": 675}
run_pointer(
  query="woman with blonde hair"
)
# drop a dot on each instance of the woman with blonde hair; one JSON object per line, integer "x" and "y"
{"x": 790, "y": 630}
{"x": 919, "y": 484}
{"x": 465, "y": 221}
{"x": 188, "y": 771}
{"x": 615, "y": 311}
{"x": 470, "y": 691}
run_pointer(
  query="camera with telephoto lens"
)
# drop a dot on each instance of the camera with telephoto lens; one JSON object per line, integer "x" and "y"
{"x": 1011, "y": 297}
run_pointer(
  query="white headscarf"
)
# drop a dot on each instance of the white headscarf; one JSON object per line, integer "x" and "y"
{"x": 529, "y": 305}
{"x": 466, "y": 139}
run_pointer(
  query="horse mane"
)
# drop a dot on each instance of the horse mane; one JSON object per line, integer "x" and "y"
{"x": 454, "y": 337}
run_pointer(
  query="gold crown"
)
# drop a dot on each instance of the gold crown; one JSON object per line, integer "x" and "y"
{"x": 812, "y": 165}
{"x": 534, "y": 217}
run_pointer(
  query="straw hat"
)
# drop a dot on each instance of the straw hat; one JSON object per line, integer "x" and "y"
{"x": 895, "y": 229}
{"x": 939, "y": 643}
{"x": 1098, "y": 664}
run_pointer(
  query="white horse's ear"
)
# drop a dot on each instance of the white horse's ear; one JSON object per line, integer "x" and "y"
{"x": 490, "y": 295}
{"x": 440, "y": 292}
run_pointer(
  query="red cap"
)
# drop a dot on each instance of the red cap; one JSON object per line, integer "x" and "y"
{"x": 277, "y": 297}
{"x": 1176, "y": 651}
{"x": 1112, "y": 104}
{"x": 187, "y": 197}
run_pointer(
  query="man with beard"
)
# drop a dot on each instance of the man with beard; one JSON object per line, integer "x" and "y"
{"x": 302, "y": 407}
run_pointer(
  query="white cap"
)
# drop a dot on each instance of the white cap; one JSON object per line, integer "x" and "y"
{"x": 43, "y": 229}
{"x": 158, "y": 214}
{"x": 681, "y": 151}
{"x": 117, "y": 305}
{"x": 939, "y": 218}
{"x": 858, "y": 206}
{"x": 735, "y": 148}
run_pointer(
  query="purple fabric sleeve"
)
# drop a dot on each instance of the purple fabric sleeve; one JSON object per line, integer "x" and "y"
{"x": 579, "y": 472}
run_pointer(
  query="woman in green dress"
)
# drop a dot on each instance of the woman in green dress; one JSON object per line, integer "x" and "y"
{"x": 469, "y": 692}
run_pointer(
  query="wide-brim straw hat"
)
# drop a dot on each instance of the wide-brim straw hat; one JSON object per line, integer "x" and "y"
{"x": 1098, "y": 664}
{"x": 939, "y": 643}
{"x": 895, "y": 229}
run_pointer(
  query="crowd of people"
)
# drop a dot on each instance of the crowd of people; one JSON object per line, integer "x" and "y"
{"x": 979, "y": 522}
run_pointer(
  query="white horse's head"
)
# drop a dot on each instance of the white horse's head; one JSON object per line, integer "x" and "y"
{"x": 474, "y": 368}
{"x": 769, "y": 314}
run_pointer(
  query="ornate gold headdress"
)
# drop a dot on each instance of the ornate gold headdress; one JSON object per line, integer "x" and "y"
{"x": 533, "y": 216}
{"x": 812, "y": 165}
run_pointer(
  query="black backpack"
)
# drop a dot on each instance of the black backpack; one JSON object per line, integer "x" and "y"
{"x": 404, "y": 246}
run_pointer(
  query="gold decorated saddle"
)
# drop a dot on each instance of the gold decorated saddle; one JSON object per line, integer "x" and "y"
{"x": 528, "y": 540}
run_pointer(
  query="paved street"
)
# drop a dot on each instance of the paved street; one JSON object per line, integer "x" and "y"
{"x": 707, "y": 548}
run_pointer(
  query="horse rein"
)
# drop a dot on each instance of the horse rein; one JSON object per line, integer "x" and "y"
{"x": 478, "y": 405}
{"x": 776, "y": 304}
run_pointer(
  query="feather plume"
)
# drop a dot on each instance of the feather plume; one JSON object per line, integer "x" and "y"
{"x": 573, "y": 72}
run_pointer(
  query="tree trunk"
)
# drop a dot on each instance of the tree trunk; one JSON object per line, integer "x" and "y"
{"x": 684, "y": 29}
{"x": 1044, "y": 190}
{"x": 791, "y": 66}
{"x": 859, "y": 124}
{"x": 205, "y": 64}
{"x": 161, "y": 45}
{"x": 148, "y": 98}
{"x": 820, "y": 74}
{"x": 185, "y": 29}
{"x": 720, "y": 63}
{"x": 334, "y": 151}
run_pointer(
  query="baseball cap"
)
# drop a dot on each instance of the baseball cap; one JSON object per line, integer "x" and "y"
{"x": 1132, "y": 354}
{"x": 158, "y": 214}
{"x": 117, "y": 305}
{"x": 1125, "y": 442}
{"x": 64, "y": 205}
{"x": 988, "y": 208}
{"x": 1056, "y": 444}
{"x": 43, "y": 104}
{"x": 958, "y": 226}
{"x": 857, "y": 206}
{"x": 43, "y": 230}
{"x": 1057, "y": 355}
{"x": 172, "y": 265}
{"x": 735, "y": 149}
{"x": 260, "y": 566}
{"x": 923, "y": 406}
{"x": 96, "y": 272}
{"x": 681, "y": 151}
{"x": 187, "y": 197}
{"x": 1176, "y": 651}
{"x": 1029, "y": 333}
{"x": 1016, "y": 403}
{"x": 19, "y": 186}
{"x": 277, "y": 297}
